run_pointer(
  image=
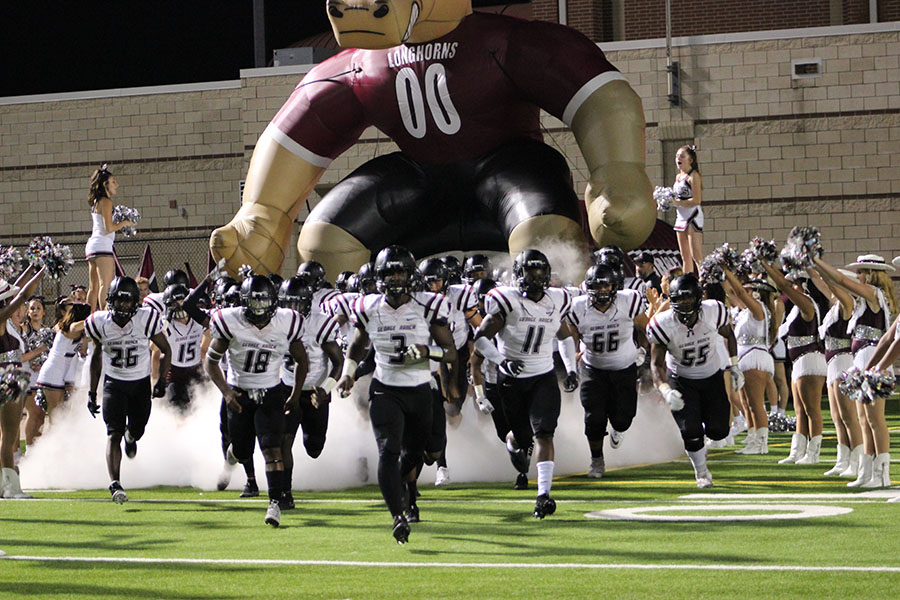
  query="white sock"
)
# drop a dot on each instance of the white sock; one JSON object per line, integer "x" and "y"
{"x": 509, "y": 445}
{"x": 780, "y": 410}
{"x": 544, "y": 477}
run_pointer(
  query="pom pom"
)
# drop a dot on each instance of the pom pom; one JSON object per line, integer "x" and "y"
{"x": 867, "y": 386}
{"x": 40, "y": 337}
{"x": 801, "y": 248}
{"x": 125, "y": 213}
{"x": 13, "y": 383}
{"x": 664, "y": 197}
{"x": 245, "y": 271}
{"x": 711, "y": 269}
{"x": 56, "y": 258}
{"x": 11, "y": 263}
{"x": 37, "y": 249}
{"x": 759, "y": 251}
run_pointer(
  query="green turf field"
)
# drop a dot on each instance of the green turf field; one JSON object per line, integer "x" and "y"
{"x": 475, "y": 541}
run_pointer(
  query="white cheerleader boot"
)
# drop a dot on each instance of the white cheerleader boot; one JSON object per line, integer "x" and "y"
{"x": 11, "y": 488}
{"x": 881, "y": 472}
{"x": 853, "y": 464}
{"x": 701, "y": 471}
{"x": 750, "y": 442}
{"x": 864, "y": 473}
{"x": 842, "y": 462}
{"x": 762, "y": 442}
{"x": 798, "y": 449}
{"x": 812, "y": 451}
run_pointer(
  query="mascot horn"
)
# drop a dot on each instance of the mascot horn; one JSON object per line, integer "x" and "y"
{"x": 460, "y": 94}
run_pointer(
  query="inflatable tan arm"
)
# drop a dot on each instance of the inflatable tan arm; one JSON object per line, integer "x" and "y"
{"x": 609, "y": 129}
{"x": 277, "y": 183}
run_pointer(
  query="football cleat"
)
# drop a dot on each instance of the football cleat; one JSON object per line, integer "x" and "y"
{"x": 544, "y": 506}
{"x": 287, "y": 500}
{"x": 273, "y": 514}
{"x": 521, "y": 481}
{"x": 521, "y": 459}
{"x": 412, "y": 513}
{"x": 401, "y": 529}
{"x": 615, "y": 438}
{"x": 251, "y": 490}
{"x": 224, "y": 477}
{"x": 118, "y": 493}
{"x": 704, "y": 480}
{"x": 230, "y": 457}
{"x": 442, "y": 477}
{"x": 130, "y": 445}
{"x": 598, "y": 468}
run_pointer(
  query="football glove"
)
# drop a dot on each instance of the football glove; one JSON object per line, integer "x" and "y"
{"x": 159, "y": 388}
{"x": 570, "y": 382}
{"x": 737, "y": 378}
{"x": 512, "y": 367}
{"x": 674, "y": 399}
{"x": 92, "y": 405}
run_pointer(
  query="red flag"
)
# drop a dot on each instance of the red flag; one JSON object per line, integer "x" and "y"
{"x": 120, "y": 272}
{"x": 191, "y": 279}
{"x": 148, "y": 271}
{"x": 210, "y": 262}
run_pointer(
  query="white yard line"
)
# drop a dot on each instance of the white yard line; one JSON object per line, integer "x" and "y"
{"x": 450, "y": 565}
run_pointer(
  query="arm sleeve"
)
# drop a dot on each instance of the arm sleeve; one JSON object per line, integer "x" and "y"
{"x": 567, "y": 353}
{"x": 190, "y": 303}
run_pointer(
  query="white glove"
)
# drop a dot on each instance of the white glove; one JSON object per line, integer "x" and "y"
{"x": 217, "y": 270}
{"x": 641, "y": 357}
{"x": 737, "y": 378}
{"x": 673, "y": 399}
{"x": 484, "y": 405}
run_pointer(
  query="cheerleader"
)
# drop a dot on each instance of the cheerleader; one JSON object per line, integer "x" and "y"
{"x": 689, "y": 220}
{"x": 38, "y": 340}
{"x": 839, "y": 358}
{"x": 69, "y": 333}
{"x": 875, "y": 302}
{"x": 11, "y": 348}
{"x": 99, "y": 248}
{"x": 753, "y": 328}
{"x": 808, "y": 376}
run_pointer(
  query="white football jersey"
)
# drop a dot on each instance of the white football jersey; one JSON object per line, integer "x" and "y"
{"x": 341, "y": 306}
{"x": 254, "y": 354}
{"x": 321, "y": 299}
{"x": 185, "y": 340}
{"x": 462, "y": 299}
{"x": 126, "y": 350}
{"x": 607, "y": 338}
{"x": 529, "y": 333}
{"x": 393, "y": 330}
{"x": 637, "y": 284}
{"x": 693, "y": 353}
{"x": 317, "y": 329}
{"x": 154, "y": 300}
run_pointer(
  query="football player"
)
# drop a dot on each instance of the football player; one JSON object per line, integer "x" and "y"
{"x": 605, "y": 321}
{"x": 313, "y": 274}
{"x": 122, "y": 336}
{"x": 156, "y": 300}
{"x": 527, "y": 319}
{"x": 185, "y": 338}
{"x": 400, "y": 324}
{"x": 477, "y": 266}
{"x": 319, "y": 333}
{"x": 256, "y": 336}
{"x": 686, "y": 369}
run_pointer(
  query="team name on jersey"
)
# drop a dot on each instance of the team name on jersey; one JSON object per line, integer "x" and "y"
{"x": 405, "y": 55}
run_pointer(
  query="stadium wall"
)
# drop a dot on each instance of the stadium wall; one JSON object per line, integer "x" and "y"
{"x": 774, "y": 151}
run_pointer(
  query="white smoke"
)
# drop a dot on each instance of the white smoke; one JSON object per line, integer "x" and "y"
{"x": 179, "y": 450}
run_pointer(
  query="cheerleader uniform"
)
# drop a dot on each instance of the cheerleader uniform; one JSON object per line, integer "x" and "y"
{"x": 686, "y": 215}
{"x": 53, "y": 373}
{"x": 838, "y": 355}
{"x": 101, "y": 241}
{"x": 804, "y": 345}
{"x": 753, "y": 342}
{"x": 866, "y": 328}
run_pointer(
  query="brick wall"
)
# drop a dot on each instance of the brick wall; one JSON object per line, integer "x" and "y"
{"x": 775, "y": 152}
{"x": 888, "y": 10}
{"x": 545, "y": 10}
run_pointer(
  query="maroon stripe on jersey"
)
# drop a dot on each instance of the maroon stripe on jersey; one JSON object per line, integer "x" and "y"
{"x": 631, "y": 312}
{"x": 322, "y": 330}
{"x": 573, "y": 318}
{"x": 91, "y": 328}
{"x": 152, "y": 303}
{"x": 218, "y": 322}
{"x": 501, "y": 301}
{"x": 567, "y": 301}
{"x": 328, "y": 297}
{"x": 293, "y": 324}
{"x": 658, "y": 332}
{"x": 147, "y": 326}
{"x": 428, "y": 305}
{"x": 720, "y": 322}
{"x": 359, "y": 309}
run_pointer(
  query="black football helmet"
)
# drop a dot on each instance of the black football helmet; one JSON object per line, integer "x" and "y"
{"x": 174, "y": 276}
{"x": 433, "y": 269}
{"x": 477, "y": 263}
{"x": 613, "y": 257}
{"x": 172, "y": 299}
{"x": 295, "y": 294}
{"x": 454, "y": 269}
{"x": 352, "y": 284}
{"x": 365, "y": 279}
{"x": 480, "y": 288}
{"x": 341, "y": 281}
{"x": 259, "y": 299}
{"x": 391, "y": 265}
{"x": 221, "y": 288}
{"x": 276, "y": 279}
{"x": 685, "y": 296}
{"x": 531, "y": 270}
{"x": 123, "y": 299}
{"x": 314, "y": 273}
{"x": 600, "y": 282}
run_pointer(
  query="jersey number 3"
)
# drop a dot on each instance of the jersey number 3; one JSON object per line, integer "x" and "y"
{"x": 411, "y": 101}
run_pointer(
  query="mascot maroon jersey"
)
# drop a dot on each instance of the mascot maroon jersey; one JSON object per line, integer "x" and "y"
{"x": 451, "y": 99}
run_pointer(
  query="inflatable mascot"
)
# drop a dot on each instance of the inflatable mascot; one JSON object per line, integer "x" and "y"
{"x": 460, "y": 94}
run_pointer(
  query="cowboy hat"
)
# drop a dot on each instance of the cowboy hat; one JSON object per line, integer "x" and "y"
{"x": 759, "y": 284}
{"x": 7, "y": 290}
{"x": 872, "y": 262}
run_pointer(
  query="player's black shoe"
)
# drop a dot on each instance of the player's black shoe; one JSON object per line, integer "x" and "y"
{"x": 412, "y": 513}
{"x": 521, "y": 481}
{"x": 251, "y": 490}
{"x": 544, "y": 506}
{"x": 521, "y": 459}
{"x": 401, "y": 529}
{"x": 287, "y": 500}
{"x": 130, "y": 445}
{"x": 118, "y": 493}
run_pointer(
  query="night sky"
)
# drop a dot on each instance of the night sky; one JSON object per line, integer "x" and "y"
{"x": 51, "y": 46}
